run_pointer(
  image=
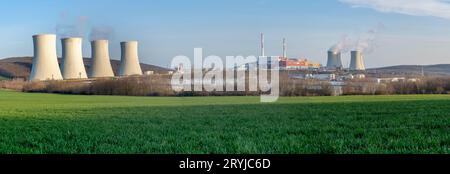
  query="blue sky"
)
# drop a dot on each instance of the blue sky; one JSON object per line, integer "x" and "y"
{"x": 167, "y": 28}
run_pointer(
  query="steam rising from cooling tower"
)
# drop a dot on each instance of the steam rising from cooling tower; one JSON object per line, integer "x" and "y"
{"x": 367, "y": 42}
{"x": 73, "y": 66}
{"x": 357, "y": 61}
{"x": 45, "y": 61}
{"x": 129, "y": 60}
{"x": 344, "y": 45}
{"x": 101, "y": 63}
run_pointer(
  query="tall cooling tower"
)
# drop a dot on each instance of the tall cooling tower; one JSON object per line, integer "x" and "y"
{"x": 334, "y": 60}
{"x": 357, "y": 61}
{"x": 72, "y": 56}
{"x": 129, "y": 60}
{"x": 101, "y": 63}
{"x": 45, "y": 61}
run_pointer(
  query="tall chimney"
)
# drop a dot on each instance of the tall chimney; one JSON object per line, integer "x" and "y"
{"x": 45, "y": 61}
{"x": 130, "y": 62}
{"x": 72, "y": 57}
{"x": 284, "y": 48}
{"x": 101, "y": 63}
{"x": 357, "y": 61}
{"x": 262, "y": 45}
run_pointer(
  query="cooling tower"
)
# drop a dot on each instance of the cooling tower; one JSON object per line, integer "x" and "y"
{"x": 129, "y": 60}
{"x": 72, "y": 57}
{"x": 45, "y": 61}
{"x": 357, "y": 61}
{"x": 101, "y": 63}
{"x": 334, "y": 60}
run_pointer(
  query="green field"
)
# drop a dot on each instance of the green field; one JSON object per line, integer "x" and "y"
{"x": 48, "y": 123}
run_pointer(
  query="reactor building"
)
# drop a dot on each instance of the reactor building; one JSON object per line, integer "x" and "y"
{"x": 45, "y": 61}
{"x": 334, "y": 60}
{"x": 357, "y": 61}
{"x": 101, "y": 63}
{"x": 72, "y": 57}
{"x": 129, "y": 65}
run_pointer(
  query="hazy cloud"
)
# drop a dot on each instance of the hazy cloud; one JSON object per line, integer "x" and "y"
{"x": 434, "y": 8}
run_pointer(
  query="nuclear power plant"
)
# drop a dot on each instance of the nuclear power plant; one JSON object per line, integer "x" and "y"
{"x": 101, "y": 64}
{"x": 72, "y": 57}
{"x": 46, "y": 67}
{"x": 45, "y": 60}
{"x": 334, "y": 60}
{"x": 129, "y": 60}
{"x": 357, "y": 61}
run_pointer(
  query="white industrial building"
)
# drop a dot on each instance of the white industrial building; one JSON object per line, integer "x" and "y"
{"x": 334, "y": 60}
{"x": 72, "y": 57}
{"x": 129, "y": 60}
{"x": 46, "y": 67}
{"x": 357, "y": 61}
{"x": 45, "y": 60}
{"x": 101, "y": 63}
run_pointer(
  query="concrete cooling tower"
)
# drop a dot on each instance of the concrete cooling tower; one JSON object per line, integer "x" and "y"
{"x": 101, "y": 63}
{"x": 45, "y": 61}
{"x": 357, "y": 61}
{"x": 334, "y": 60}
{"x": 73, "y": 65}
{"x": 129, "y": 60}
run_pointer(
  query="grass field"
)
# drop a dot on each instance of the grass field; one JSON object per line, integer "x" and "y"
{"x": 48, "y": 123}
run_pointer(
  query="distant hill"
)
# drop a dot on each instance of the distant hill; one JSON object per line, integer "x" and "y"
{"x": 20, "y": 67}
{"x": 441, "y": 69}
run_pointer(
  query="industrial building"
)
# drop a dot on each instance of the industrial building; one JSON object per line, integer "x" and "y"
{"x": 286, "y": 63}
{"x": 357, "y": 61}
{"x": 72, "y": 57}
{"x": 334, "y": 60}
{"x": 101, "y": 63}
{"x": 45, "y": 60}
{"x": 298, "y": 64}
{"x": 129, "y": 60}
{"x": 46, "y": 67}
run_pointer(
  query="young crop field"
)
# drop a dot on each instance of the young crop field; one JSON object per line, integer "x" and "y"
{"x": 71, "y": 124}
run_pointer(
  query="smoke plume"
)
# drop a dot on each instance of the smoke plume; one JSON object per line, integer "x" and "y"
{"x": 344, "y": 45}
{"x": 367, "y": 42}
{"x": 71, "y": 27}
{"x": 101, "y": 33}
{"x": 79, "y": 26}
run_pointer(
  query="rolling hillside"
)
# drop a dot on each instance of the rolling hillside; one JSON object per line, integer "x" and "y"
{"x": 441, "y": 69}
{"x": 20, "y": 67}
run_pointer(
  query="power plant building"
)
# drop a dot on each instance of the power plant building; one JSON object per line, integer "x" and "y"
{"x": 334, "y": 60}
{"x": 45, "y": 60}
{"x": 101, "y": 63}
{"x": 129, "y": 60}
{"x": 357, "y": 61}
{"x": 72, "y": 57}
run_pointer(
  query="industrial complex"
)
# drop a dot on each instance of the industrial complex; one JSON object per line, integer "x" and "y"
{"x": 46, "y": 67}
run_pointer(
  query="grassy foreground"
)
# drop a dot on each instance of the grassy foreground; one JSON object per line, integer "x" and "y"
{"x": 48, "y": 123}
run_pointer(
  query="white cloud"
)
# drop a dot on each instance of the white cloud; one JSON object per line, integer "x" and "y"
{"x": 434, "y": 8}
